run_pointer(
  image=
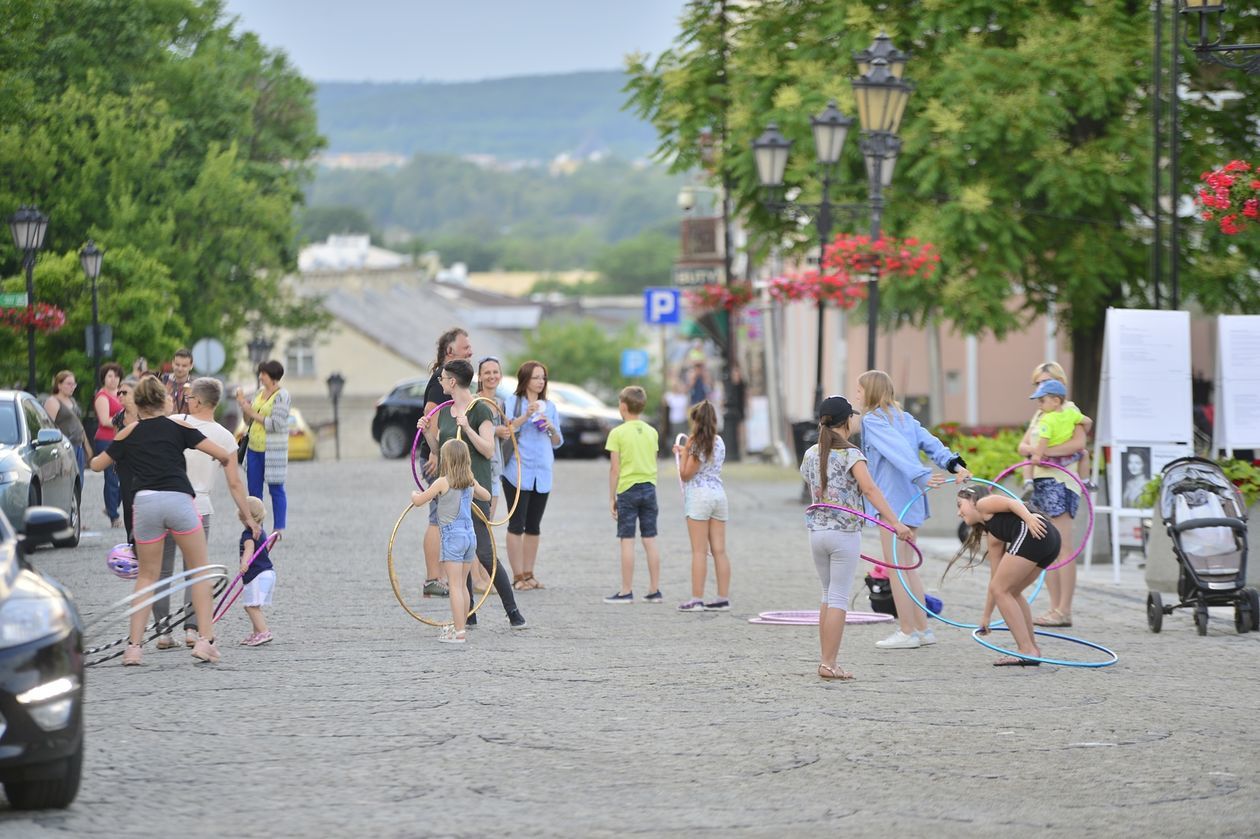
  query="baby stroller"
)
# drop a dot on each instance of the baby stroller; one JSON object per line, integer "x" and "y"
{"x": 1207, "y": 522}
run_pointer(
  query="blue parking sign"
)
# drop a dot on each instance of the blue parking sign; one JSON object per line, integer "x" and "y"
{"x": 634, "y": 363}
{"x": 662, "y": 306}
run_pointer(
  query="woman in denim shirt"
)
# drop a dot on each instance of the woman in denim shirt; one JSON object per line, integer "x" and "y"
{"x": 536, "y": 424}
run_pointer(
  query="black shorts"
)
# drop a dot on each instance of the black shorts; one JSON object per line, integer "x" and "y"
{"x": 1041, "y": 552}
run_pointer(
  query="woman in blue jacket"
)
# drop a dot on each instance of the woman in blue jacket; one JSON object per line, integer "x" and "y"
{"x": 533, "y": 418}
{"x": 891, "y": 441}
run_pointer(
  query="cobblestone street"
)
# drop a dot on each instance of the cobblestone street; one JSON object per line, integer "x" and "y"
{"x": 602, "y": 721}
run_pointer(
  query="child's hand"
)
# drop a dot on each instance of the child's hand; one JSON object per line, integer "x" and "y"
{"x": 1036, "y": 526}
{"x": 502, "y": 432}
{"x": 961, "y": 474}
{"x": 244, "y": 565}
{"x": 904, "y": 532}
{"x": 936, "y": 479}
{"x": 678, "y": 450}
{"x": 423, "y": 423}
{"x": 416, "y": 497}
{"x": 613, "y": 507}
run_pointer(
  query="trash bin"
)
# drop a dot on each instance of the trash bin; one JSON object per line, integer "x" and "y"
{"x": 804, "y": 435}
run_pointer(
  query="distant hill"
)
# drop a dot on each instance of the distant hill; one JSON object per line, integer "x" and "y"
{"x": 520, "y": 118}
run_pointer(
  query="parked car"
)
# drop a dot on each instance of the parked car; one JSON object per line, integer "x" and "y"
{"x": 37, "y": 464}
{"x": 41, "y": 670}
{"x": 585, "y": 429}
{"x": 301, "y": 437}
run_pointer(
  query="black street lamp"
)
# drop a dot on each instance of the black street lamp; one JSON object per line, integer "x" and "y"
{"x": 1211, "y": 49}
{"x": 28, "y": 226}
{"x": 336, "y": 383}
{"x": 881, "y": 99}
{"x": 259, "y": 349}
{"x": 90, "y": 258}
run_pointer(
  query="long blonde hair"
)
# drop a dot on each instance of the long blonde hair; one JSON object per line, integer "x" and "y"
{"x": 878, "y": 392}
{"x": 456, "y": 464}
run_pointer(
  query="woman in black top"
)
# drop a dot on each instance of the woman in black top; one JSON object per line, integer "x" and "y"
{"x": 153, "y": 451}
{"x": 1021, "y": 545}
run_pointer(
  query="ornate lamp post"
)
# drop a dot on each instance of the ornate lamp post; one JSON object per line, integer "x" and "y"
{"x": 259, "y": 349}
{"x": 1209, "y": 48}
{"x": 28, "y": 226}
{"x": 336, "y": 383}
{"x": 90, "y": 258}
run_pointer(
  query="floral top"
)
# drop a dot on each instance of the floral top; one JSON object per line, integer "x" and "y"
{"x": 842, "y": 488}
{"x": 709, "y": 475}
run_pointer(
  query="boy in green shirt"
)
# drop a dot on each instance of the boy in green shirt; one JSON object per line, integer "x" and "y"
{"x": 632, "y": 448}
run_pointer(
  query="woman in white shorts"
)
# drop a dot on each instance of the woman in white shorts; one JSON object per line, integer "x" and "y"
{"x": 704, "y": 502}
{"x": 153, "y": 450}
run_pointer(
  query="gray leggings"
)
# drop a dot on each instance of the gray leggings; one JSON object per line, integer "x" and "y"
{"x": 162, "y": 608}
{"x": 836, "y": 558}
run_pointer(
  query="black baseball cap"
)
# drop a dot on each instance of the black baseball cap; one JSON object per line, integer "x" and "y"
{"x": 834, "y": 410}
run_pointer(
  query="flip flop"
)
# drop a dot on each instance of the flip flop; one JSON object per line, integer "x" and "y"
{"x": 833, "y": 674}
{"x": 1012, "y": 661}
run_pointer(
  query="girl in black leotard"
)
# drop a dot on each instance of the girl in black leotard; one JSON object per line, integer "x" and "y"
{"x": 1021, "y": 544}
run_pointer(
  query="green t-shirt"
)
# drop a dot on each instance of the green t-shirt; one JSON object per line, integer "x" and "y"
{"x": 1057, "y": 427}
{"x": 636, "y": 442}
{"x": 479, "y": 413}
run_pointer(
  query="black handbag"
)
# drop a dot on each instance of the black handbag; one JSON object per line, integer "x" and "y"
{"x": 243, "y": 445}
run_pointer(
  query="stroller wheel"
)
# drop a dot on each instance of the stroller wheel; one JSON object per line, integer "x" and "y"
{"x": 1154, "y": 611}
{"x": 1201, "y": 618}
{"x": 1242, "y": 616}
{"x": 1253, "y": 597}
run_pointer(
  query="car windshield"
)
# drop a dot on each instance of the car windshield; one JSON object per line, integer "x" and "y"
{"x": 9, "y": 433}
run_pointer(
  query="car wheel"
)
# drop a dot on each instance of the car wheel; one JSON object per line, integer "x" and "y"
{"x": 76, "y": 520}
{"x": 394, "y": 441}
{"x": 44, "y": 793}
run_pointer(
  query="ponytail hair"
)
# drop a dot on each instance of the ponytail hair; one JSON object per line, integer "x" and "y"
{"x": 832, "y": 434}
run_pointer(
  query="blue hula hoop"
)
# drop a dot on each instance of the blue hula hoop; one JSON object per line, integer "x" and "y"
{"x": 975, "y": 633}
{"x": 996, "y": 625}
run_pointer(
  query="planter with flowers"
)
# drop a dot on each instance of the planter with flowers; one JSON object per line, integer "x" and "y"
{"x": 1231, "y": 197}
{"x": 44, "y": 317}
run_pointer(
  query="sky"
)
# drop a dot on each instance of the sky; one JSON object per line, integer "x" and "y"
{"x": 457, "y": 40}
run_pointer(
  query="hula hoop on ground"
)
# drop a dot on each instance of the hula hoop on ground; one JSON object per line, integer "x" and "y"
{"x": 879, "y": 523}
{"x": 1089, "y": 505}
{"x": 516, "y": 452}
{"x": 975, "y": 633}
{"x": 174, "y": 583}
{"x": 155, "y": 628}
{"x": 415, "y": 445}
{"x": 224, "y": 603}
{"x": 393, "y": 573}
{"x": 810, "y": 618}
{"x": 996, "y": 625}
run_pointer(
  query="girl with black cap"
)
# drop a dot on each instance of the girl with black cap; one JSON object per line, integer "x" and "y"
{"x": 836, "y": 472}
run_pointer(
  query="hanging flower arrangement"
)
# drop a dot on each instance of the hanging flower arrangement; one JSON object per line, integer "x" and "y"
{"x": 894, "y": 259}
{"x": 1231, "y": 197}
{"x": 719, "y": 298}
{"x": 42, "y": 316}
{"x": 843, "y": 292}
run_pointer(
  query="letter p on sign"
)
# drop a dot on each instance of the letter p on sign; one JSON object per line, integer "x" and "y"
{"x": 662, "y": 306}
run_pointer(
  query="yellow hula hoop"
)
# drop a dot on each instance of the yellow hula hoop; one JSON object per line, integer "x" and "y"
{"x": 516, "y": 449}
{"x": 393, "y": 572}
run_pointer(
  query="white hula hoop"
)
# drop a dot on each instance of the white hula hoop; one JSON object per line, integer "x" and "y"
{"x": 165, "y": 587}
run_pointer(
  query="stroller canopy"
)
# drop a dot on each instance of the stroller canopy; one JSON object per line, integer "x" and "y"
{"x": 1188, "y": 474}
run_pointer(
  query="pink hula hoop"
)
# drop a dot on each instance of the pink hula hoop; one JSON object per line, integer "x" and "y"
{"x": 224, "y": 602}
{"x": 1089, "y": 504}
{"x": 415, "y": 445}
{"x": 874, "y": 521}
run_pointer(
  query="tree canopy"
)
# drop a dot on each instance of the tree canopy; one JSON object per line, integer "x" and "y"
{"x": 1027, "y": 146}
{"x": 175, "y": 141}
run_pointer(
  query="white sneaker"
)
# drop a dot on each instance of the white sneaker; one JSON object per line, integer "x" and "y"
{"x": 926, "y": 638}
{"x": 900, "y": 641}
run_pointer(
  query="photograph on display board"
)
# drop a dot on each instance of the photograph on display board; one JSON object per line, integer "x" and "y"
{"x": 1136, "y": 463}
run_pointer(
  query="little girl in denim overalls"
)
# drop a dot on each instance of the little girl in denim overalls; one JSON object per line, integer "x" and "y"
{"x": 454, "y": 489}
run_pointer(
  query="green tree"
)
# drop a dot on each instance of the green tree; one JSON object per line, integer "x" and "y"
{"x": 318, "y": 223}
{"x": 635, "y": 264}
{"x": 1026, "y": 155}
{"x": 585, "y": 353}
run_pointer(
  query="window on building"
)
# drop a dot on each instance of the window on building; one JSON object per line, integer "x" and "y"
{"x": 300, "y": 361}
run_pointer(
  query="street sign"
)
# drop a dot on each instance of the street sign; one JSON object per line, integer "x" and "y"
{"x": 634, "y": 363}
{"x": 697, "y": 275}
{"x": 662, "y": 306}
{"x": 208, "y": 356}
{"x": 13, "y": 298}
{"x": 107, "y": 340}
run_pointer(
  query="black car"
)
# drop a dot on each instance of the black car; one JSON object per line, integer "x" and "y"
{"x": 41, "y": 671}
{"x": 394, "y": 424}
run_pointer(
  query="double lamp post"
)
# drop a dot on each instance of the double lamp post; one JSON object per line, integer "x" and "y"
{"x": 881, "y": 96}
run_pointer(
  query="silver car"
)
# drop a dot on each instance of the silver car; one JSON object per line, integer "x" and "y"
{"x": 37, "y": 463}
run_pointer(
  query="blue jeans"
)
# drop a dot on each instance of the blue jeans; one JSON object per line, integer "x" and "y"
{"x": 255, "y": 465}
{"x": 113, "y": 493}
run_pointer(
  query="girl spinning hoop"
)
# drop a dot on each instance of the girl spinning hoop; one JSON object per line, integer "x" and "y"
{"x": 454, "y": 489}
{"x": 1021, "y": 545}
{"x": 835, "y": 536}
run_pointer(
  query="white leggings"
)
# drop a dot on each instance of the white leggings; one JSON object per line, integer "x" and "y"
{"x": 836, "y": 558}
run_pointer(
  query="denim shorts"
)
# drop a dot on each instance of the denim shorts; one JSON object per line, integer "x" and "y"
{"x": 637, "y": 502}
{"x": 704, "y": 503}
{"x": 1053, "y": 498}
{"x": 459, "y": 543}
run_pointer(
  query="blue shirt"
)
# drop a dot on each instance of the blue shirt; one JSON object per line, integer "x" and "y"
{"x": 536, "y": 447}
{"x": 262, "y": 563}
{"x": 892, "y": 445}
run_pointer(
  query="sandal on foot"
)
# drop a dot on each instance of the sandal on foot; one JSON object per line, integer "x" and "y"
{"x": 518, "y": 581}
{"x": 1012, "y": 661}
{"x": 833, "y": 674}
{"x": 532, "y": 581}
{"x": 1052, "y": 618}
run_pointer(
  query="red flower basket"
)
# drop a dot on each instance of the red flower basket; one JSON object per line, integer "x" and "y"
{"x": 715, "y": 297}
{"x": 42, "y": 316}
{"x": 848, "y": 261}
{"x": 1231, "y": 197}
